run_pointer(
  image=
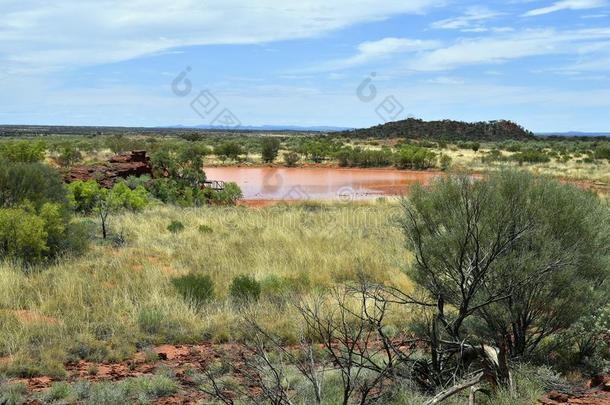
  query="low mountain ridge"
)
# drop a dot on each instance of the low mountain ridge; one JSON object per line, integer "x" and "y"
{"x": 447, "y": 130}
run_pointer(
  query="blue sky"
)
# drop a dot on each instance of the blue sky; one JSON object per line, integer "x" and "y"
{"x": 544, "y": 64}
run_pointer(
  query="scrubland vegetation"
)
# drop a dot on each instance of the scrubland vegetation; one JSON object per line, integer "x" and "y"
{"x": 497, "y": 285}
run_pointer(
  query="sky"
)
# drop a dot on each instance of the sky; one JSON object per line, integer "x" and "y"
{"x": 351, "y": 63}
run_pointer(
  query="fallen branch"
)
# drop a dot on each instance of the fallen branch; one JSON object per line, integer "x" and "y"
{"x": 441, "y": 396}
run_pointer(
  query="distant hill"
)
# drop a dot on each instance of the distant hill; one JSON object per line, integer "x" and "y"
{"x": 575, "y": 134}
{"x": 444, "y": 130}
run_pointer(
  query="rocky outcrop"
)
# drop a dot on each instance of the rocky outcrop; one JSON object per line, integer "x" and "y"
{"x": 135, "y": 163}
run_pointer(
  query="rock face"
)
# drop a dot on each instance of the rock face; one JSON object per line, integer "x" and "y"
{"x": 134, "y": 163}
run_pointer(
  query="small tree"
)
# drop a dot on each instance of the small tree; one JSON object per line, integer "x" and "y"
{"x": 270, "y": 149}
{"x": 507, "y": 260}
{"x": 88, "y": 197}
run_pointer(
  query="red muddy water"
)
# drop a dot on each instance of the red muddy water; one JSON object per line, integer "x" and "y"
{"x": 320, "y": 183}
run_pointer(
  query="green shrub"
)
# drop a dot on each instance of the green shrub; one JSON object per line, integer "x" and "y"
{"x": 59, "y": 391}
{"x": 175, "y": 226}
{"x": 35, "y": 219}
{"x": 603, "y": 151}
{"x": 12, "y": 393}
{"x": 414, "y": 157}
{"x": 150, "y": 320}
{"x": 22, "y": 151}
{"x": 269, "y": 149}
{"x": 205, "y": 229}
{"x": 291, "y": 159}
{"x": 196, "y": 288}
{"x": 531, "y": 156}
{"x": 34, "y": 183}
{"x": 445, "y": 162}
{"x": 245, "y": 288}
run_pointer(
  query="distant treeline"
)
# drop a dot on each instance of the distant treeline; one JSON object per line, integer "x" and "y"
{"x": 445, "y": 130}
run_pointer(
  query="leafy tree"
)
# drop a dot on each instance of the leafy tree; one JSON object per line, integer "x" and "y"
{"x": 88, "y": 197}
{"x": 229, "y": 150}
{"x": 270, "y": 149}
{"x": 35, "y": 217}
{"x": 510, "y": 259}
{"x": 33, "y": 182}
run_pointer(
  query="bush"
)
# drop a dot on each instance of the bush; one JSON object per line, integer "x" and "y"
{"x": 35, "y": 221}
{"x": 22, "y": 151}
{"x": 270, "y": 149}
{"x": 445, "y": 162}
{"x": 229, "y": 150}
{"x": 291, "y": 159}
{"x": 603, "y": 151}
{"x": 175, "y": 227}
{"x": 35, "y": 183}
{"x": 244, "y": 289}
{"x": 228, "y": 196}
{"x": 197, "y": 289}
{"x": 531, "y": 156}
{"x": 414, "y": 157}
{"x": 205, "y": 229}
{"x": 12, "y": 393}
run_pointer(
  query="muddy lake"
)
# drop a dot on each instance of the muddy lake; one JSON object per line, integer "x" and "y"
{"x": 318, "y": 183}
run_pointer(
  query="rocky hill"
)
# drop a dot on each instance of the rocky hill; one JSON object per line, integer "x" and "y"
{"x": 445, "y": 130}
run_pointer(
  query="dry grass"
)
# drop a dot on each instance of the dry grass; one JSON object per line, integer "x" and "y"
{"x": 102, "y": 305}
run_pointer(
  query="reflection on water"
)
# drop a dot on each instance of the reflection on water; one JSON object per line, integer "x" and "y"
{"x": 270, "y": 183}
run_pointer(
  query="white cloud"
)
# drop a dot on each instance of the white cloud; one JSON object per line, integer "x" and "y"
{"x": 566, "y": 5}
{"x": 79, "y": 32}
{"x": 372, "y": 51}
{"x": 502, "y": 48}
{"x": 473, "y": 15}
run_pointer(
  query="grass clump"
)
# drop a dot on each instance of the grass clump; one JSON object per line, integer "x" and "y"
{"x": 197, "y": 289}
{"x": 12, "y": 394}
{"x": 175, "y": 227}
{"x": 205, "y": 229}
{"x": 245, "y": 289}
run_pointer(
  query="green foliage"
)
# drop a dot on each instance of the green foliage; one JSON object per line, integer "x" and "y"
{"x": 22, "y": 151}
{"x": 531, "y": 156}
{"x": 12, "y": 393}
{"x": 603, "y": 151}
{"x": 554, "y": 255}
{"x": 35, "y": 222}
{"x": 175, "y": 227}
{"x": 196, "y": 288}
{"x": 35, "y": 183}
{"x": 445, "y": 162}
{"x": 84, "y": 195}
{"x": 205, "y": 229}
{"x": 69, "y": 155}
{"x": 349, "y": 157}
{"x": 414, "y": 157}
{"x": 229, "y": 150}
{"x": 59, "y": 391}
{"x": 88, "y": 197}
{"x": 228, "y": 196}
{"x": 269, "y": 149}
{"x": 245, "y": 289}
{"x": 291, "y": 159}
{"x": 22, "y": 235}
